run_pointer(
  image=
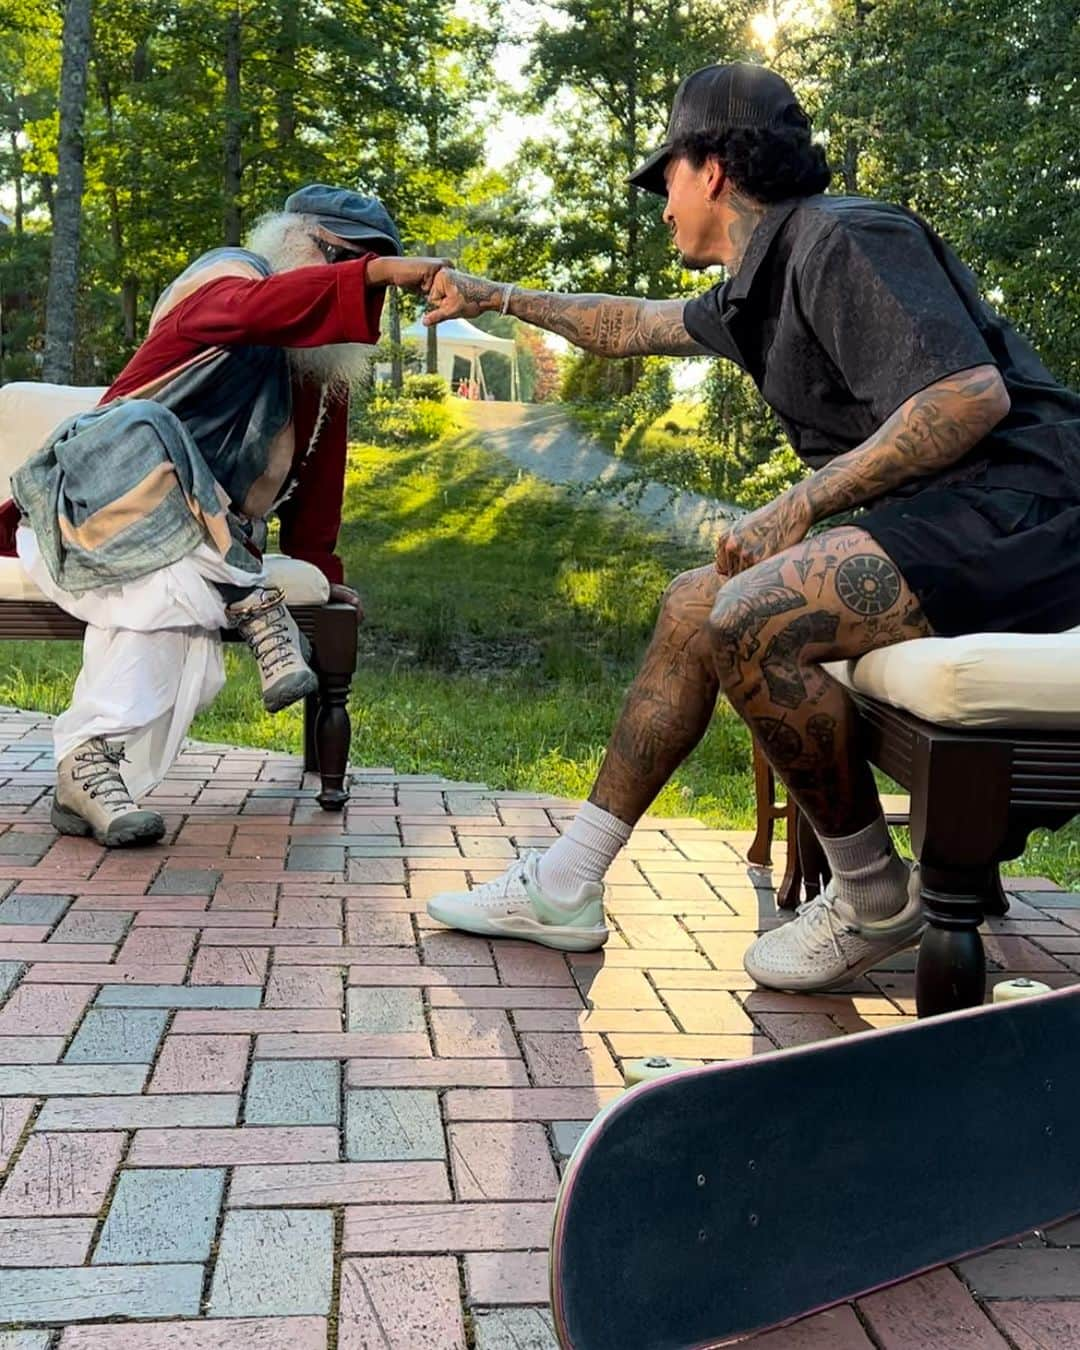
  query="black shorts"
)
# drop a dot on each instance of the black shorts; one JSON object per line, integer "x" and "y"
{"x": 985, "y": 559}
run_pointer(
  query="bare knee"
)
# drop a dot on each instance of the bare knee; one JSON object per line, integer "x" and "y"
{"x": 729, "y": 624}
{"x": 690, "y": 597}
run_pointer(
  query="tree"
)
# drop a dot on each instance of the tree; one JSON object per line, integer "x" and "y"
{"x": 606, "y": 72}
{"x": 59, "y": 356}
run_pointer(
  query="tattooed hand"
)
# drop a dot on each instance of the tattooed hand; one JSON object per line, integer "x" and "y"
{"x": 455, "y": 294}
{"x": 762, "y": 534}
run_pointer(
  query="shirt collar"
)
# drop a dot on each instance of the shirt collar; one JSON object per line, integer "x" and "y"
{"x": 765, "y": 232}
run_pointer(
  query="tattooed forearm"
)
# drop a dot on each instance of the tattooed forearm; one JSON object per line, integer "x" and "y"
{"x": 609, "y": 325}
{"x": 925, "y": 435}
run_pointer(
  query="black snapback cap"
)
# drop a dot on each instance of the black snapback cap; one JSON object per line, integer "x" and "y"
{"x": 717, "y": 99}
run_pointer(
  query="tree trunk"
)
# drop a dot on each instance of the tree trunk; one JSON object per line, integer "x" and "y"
{"x": 288, "y": 40}
{"x": 17, "y": 171}
{"x": 59, "y": 356}
{"x": 233, "y": 130}
{"x": 850, "y": 166}
{"x": 397, "y": 364}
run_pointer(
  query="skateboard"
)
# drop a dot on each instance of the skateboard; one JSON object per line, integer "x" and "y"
{"x": 703, "y": 1207}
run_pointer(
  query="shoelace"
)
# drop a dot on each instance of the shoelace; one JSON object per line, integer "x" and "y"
{"x": 819, "y": 914}
{"x": 273, "y": 646}
{"x": 499, "y": 888}
{"x": 102, "y": 777}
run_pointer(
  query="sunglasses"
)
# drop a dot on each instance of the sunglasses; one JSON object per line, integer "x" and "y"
{"x": 336, "y": 253}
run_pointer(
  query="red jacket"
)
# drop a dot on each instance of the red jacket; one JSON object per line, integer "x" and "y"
{"x": 306, "y": 307}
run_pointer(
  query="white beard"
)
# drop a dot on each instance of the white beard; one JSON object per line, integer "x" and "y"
{"x": 284, "y": 241}
{"x": 339, "y": 365}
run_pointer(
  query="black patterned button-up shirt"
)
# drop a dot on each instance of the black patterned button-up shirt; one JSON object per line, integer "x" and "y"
{"x": 844, "y": 308}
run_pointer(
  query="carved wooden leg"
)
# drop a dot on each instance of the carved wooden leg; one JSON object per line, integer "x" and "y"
{"x": 950, "y": 973}
{"x": 997, "y": 902}
{"x": 333, "y": 735}
{"x": 790, "y": 891}
{"x": 760, "y": 851}
{"x": 335, "y": 661}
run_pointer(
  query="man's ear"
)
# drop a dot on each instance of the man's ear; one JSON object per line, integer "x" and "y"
{"x": 715, "y": 178}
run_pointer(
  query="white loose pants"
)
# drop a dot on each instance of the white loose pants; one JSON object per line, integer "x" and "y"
{"x": 151, "y": 657}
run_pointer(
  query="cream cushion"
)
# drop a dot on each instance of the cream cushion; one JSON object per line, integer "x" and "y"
{"x": 28, "y": 413}
{"x": 1018, "y": 680}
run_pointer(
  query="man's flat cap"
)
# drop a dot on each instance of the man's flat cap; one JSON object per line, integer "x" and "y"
{"x": 349, "y": 215}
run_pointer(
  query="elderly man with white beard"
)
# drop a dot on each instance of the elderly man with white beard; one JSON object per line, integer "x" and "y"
{"x": 146, "y": 517}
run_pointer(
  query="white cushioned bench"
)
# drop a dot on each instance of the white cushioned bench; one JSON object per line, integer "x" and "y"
{"x": 984, "y": 733}
{"x": 29, "y": 412}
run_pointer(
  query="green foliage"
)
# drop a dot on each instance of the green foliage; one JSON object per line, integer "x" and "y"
{"x": 327, "y": 92}
{"x": 432, "y": 388}
{"x": 604, "y": 72}
{"x": 652, "y": 394}
{"x": 588, "y": 378}
{"x": 388, "y": 418}
{"x": 769, "y": 479}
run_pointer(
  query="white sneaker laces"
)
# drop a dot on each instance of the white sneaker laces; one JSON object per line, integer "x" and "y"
{"x": 509, "y": 886}
{"x": 817, "y": 922}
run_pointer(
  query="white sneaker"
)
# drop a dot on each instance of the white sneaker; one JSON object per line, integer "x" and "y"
{"x": 827, "y": 945}
{"x": 515, "y": 906}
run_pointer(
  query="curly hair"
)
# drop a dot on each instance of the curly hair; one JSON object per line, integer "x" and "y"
{"x": 768, "y": 165}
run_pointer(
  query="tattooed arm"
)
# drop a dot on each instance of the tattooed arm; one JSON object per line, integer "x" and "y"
{"x": 932, "y": 430}
{"x": 610, "y": 325}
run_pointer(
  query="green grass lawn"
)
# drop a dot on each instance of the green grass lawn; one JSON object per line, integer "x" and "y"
{"x": 504, "y": 622}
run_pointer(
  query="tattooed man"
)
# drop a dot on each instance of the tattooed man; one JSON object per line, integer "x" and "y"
{"x": 906, "y": 394}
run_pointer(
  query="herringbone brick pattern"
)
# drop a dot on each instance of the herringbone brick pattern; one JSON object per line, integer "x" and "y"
{"x": 250, "y": 1096}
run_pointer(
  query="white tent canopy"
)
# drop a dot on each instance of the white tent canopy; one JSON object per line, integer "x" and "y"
{"x": 458, "y": 337}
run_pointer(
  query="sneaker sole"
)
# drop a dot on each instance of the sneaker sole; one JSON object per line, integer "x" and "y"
{"x": 793, "y": 986}
{"x": 70, "y": 822}
{"x": 562, "y": 939}
{"x": 290, "y": 690}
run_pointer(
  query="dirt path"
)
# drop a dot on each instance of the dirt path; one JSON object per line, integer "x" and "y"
{"x": 541, "y": 439}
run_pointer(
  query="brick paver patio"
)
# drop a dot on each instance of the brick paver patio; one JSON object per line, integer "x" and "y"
{"x": 251, "y": 1097}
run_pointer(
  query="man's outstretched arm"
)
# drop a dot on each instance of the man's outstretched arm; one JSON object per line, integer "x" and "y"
{"x": 609, "y": 325}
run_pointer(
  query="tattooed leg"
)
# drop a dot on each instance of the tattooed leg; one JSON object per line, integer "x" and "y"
{"x": 669, "y": 705}
{"x": 835, "y": 596}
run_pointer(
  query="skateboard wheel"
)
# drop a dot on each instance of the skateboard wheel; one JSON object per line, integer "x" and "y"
{"x": 1008, "y": 991}
{"x": 655, "y": 1066}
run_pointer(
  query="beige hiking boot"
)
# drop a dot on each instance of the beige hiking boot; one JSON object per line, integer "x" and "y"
{"x": 279, "y": 647}
{"x": 91, "y": 798}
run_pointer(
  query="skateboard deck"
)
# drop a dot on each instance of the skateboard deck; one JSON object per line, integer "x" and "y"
{"x": 706, "y": 1206}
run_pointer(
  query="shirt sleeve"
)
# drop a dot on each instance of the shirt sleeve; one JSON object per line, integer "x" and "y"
{"x": 304, "y": 307}
{"x": 885, "y": 310}
{"x": 701, "y": 318}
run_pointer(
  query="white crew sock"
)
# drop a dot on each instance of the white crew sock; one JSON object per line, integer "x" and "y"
{"x": 870, "y": 876}
{"x": 584, "y": 853}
